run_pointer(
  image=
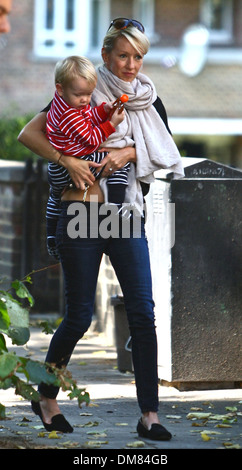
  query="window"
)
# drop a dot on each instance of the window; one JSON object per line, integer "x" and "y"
{"x": 217, "y": 16}
{"x": 144, "y": 11}
{"x": 67, "y": 27}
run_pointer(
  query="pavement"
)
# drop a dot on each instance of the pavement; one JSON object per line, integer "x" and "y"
{"x": 109, "y": 422}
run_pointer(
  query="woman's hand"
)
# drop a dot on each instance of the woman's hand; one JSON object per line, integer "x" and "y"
{"x": 116, "y": 159}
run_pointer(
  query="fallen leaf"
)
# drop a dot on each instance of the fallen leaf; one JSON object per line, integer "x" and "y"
{"x": 135, "y": 444}
{"x": 219, "y": 417}
{"x": 205, "y": 436}
{"x": 69, "y": 444}
{"x": 26, "y": 420}
{"x": 53, "y": 435}
{"x": 198, "y": 415}
{"x": 231, "y": 408}
{"x": 173, "y": 417}
{"x": 121, "y": 424}
{"x": 85, "y": 414}
{"x": 91, "y": 424}
{"x": 223, "y": 426}
{"x": 230, "y": 445}
{"x": 24, "y": 433}
{"x": 196, "y": 408}
{"x": 97, "y": 434}
{"x": 94, "y": 444}
{"x": 211, "y": 432}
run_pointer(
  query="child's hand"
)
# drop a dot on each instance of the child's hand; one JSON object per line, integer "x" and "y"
{"x": 117, "y": 117}
{"x": 108, "y": 108}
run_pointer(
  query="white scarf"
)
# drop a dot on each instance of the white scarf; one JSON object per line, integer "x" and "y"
{"x": 142, "y": 127}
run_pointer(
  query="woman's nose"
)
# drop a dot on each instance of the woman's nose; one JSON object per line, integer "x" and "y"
{"x": 4, "y": 25}
{"x": 131, "y": 63}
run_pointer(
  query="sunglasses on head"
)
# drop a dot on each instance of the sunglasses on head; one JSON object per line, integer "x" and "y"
{"x": 123, "y": 23}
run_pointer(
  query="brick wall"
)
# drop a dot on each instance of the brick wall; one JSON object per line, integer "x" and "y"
{"x": 11, "y": 210}
{"x": 23, "y": 195}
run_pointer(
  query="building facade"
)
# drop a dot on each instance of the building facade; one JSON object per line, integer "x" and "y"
{"x": 204, "y": 110}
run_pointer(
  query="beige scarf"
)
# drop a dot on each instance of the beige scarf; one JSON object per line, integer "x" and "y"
{"x": 142, "y": 127}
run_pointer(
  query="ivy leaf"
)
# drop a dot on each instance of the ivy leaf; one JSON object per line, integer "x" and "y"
{"x": 4, "y": 316}
{"x": 47, "y": 328}
{"x": 81, "y": 395}
{"x": 25, "y": 390}
{"x": 8, "y": 364}
{"x": 19, "y": 322}
{"x": 37, "y": 373}
{"x": 3, "y": 346}
{"x": 22, "y": 292}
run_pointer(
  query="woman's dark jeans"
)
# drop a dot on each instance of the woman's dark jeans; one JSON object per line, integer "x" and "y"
{"x": 80, "y": 258}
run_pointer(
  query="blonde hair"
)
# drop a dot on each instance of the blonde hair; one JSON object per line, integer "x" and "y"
{"x": 72, "y": 67}
{"x": 136, "y": 38}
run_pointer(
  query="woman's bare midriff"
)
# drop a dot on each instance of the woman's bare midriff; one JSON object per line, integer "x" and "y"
{"x": 78, "y": 194}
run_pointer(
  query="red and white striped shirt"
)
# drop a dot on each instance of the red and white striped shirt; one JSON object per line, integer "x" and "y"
{"x": 77, "y": 132}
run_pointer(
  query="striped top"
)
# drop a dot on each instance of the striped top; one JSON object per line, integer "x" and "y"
{"x": 77, "y": 132}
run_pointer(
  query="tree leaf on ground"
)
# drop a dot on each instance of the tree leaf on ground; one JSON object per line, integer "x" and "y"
{"x": 205, "y": 436}
{"x": 231, "y": 408}
{"x": 97, "y": 433}
{"x": 230, "y": 445}
{"x": 173, "y": 417}
{"x": 198, "y": 415}
{"x": 135, "y": 444}
{"x": 223, "y": 426}
{"x": 54, "y": 435}
{"x": 93, "y": 444}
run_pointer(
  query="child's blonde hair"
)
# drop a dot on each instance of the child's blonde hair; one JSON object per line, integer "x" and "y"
{"x": 72, "y": 67}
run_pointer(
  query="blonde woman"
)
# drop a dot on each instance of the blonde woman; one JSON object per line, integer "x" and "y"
{"x": 143, "y": 138}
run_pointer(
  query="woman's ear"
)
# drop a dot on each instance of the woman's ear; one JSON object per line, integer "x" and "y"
{"x": 104, "y": 55}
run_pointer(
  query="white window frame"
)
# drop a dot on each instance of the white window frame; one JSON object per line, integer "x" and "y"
{"x": 80, "y": 36}
{"x": 225, "y": 34}
{"x": 144, "y": 11}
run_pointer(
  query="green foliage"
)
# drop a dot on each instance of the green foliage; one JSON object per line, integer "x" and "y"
{"x": 10, "y": 148}
{"x": 22, "y": 373}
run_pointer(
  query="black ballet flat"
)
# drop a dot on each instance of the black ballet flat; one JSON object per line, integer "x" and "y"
{"x": 156, "y": 433}
{"x": 58, "y": 422}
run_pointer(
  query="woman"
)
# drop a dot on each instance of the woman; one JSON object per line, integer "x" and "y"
{"x": 143, "y": 140}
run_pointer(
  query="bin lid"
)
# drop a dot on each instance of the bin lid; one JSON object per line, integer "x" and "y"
{"x": 202, "y": 168}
